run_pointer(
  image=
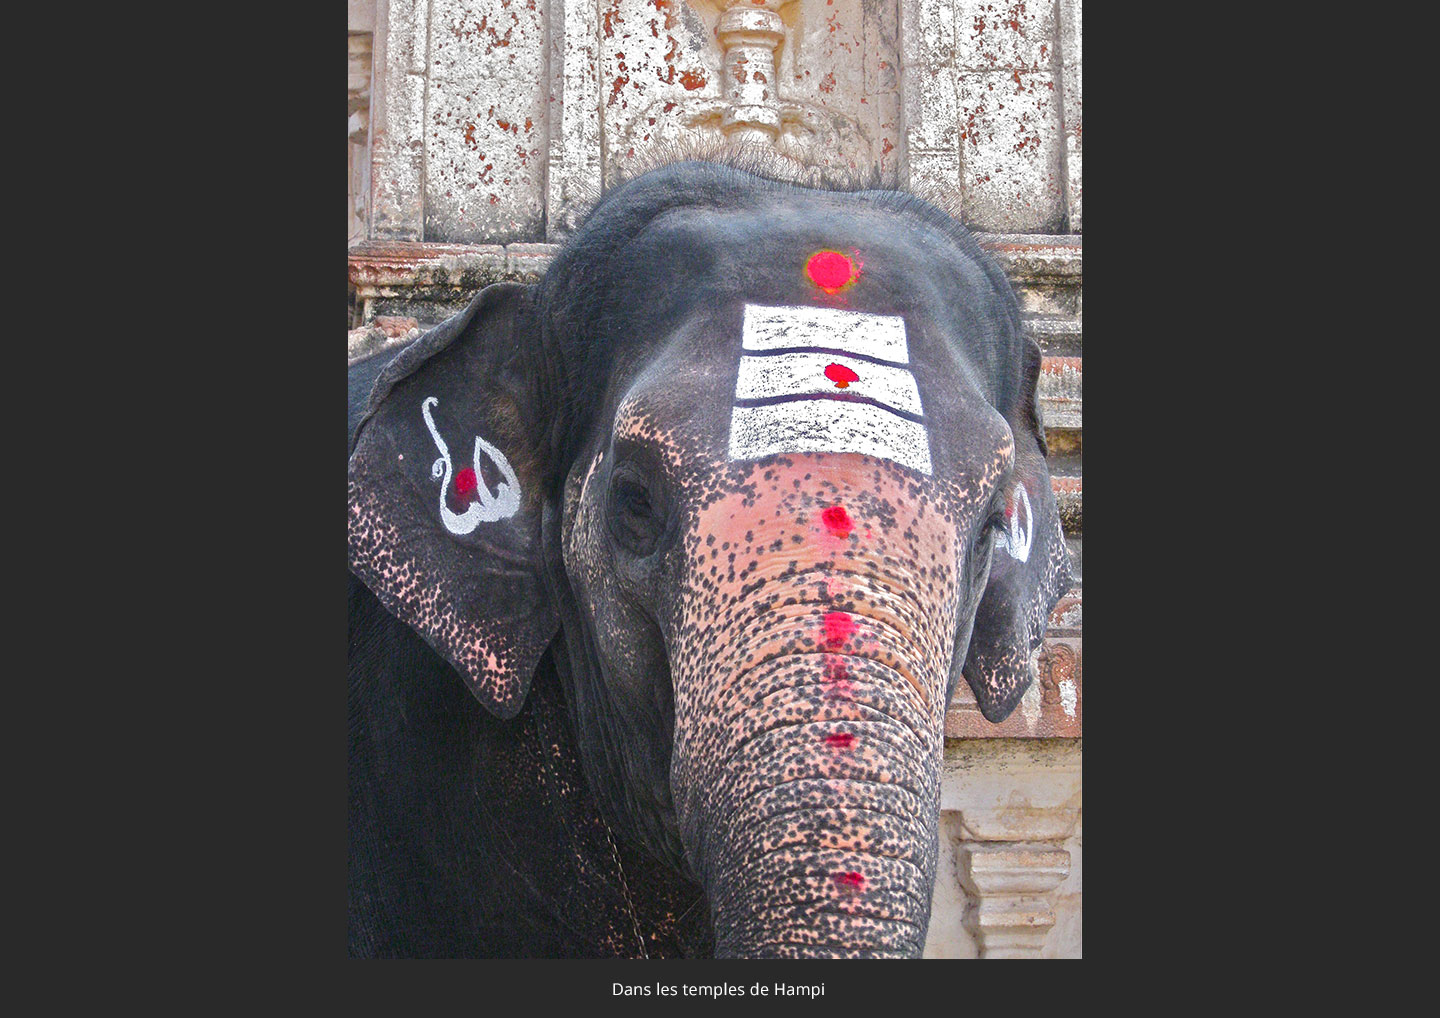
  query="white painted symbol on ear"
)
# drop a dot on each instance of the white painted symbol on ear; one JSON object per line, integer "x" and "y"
{"x": 503, "y": 504}
{"x": 1016, "y": 543}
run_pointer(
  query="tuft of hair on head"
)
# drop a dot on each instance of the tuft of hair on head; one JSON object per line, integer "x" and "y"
{"x": 756, "y": 158}
{"x": 764, "y": 161}
{"x": 946, "y": 199}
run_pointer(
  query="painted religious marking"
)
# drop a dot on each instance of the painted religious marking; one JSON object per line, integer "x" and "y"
{"x": 825, "y": 380}
{"x": 1016, "y": 539}
{"x": 832, "y": 271}
{"x": 469, "y": 485}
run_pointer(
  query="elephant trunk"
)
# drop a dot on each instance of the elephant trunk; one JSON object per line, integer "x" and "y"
{"x": 812, "y": 787}
{"x": 810, "y": 661}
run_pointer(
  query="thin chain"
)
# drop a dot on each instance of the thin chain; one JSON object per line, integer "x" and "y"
{"x": 614, "y": 855}
{"x": 629, "y": 901}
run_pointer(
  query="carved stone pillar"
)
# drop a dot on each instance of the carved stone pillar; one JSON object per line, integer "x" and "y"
{"x": 1011, "y": 905}
{"x": 751, "y": 31}
{"x": 1010, "y": 809}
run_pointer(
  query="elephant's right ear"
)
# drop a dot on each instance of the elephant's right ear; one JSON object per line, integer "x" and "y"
{"x": 1029, "y": 569}
{"x": 446, "y": 475}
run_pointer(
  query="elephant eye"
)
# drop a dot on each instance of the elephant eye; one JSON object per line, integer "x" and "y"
{"x": 633, "y": 499}
{"x": 985, "y": 544}
{"x": 636, "y": 515}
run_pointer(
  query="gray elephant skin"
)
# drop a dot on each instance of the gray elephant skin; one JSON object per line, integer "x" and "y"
{"x": 664, "y": 569}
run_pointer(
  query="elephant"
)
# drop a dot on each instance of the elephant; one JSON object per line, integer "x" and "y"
{"x": 710, "y": 521}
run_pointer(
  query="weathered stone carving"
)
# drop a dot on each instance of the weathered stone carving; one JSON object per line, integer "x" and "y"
{"x": 983, "y": 110}
{"x": 359, "y": 130}
{"x": 497, "y": 121}
{"x": 1009, "y": 885}
{"x": 816, "y": 82}
{"x": 1059, "y": 674}
{"x": 750, "y": 35}
{"x": 1011, "y": 810}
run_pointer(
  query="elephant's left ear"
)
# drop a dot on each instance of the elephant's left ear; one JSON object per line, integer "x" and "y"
{"x": 1029, "y": 568}
{"x": 446, "y": 478}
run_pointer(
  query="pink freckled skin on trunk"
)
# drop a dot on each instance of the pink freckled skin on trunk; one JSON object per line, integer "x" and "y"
{"x": 836, "y": 679}
{"x": 844, "y": 632}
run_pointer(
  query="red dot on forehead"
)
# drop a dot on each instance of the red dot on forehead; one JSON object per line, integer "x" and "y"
{"x": 831, "y": 270}
{"x": 841, "y": 375}
{"x": 465, "y": 482}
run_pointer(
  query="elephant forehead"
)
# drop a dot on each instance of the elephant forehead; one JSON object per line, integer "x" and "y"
{"x": 825, "y": 496}
{"x": 747, "y": 380}
{"x": 815, "y": 379}
{"x": 827, "y": 515}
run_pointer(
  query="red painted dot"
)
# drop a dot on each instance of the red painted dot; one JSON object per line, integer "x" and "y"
{"x": 841, "y": 375}
{"x": 831, "y": 270}
{"x": 837, "y": 521}
{"x": 465, "y": 482}
{"x": 838, "y": 627}
{"x": 840, "y": 740}
{"x": 850, "y": 881}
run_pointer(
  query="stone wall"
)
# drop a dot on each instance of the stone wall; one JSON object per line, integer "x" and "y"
{"x": 481, "y": 129}
{"x": 495, "y": 120}
{"x": 361, "y": 42}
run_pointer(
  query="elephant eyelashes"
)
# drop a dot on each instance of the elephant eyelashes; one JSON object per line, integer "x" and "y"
{"x": 984, "y": 544}
{"x": 637, "y": 517}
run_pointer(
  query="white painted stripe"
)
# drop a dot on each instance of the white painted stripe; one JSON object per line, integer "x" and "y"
{"x": 796, "y": 374}
{"x": 882, "y": 336}
{"x": 827, "y": 425}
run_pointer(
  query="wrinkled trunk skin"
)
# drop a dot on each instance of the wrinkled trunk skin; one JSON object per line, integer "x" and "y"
{"x": 810, "y": 661}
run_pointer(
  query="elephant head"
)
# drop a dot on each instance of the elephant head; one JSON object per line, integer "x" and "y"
{"x": 763, "y": 465}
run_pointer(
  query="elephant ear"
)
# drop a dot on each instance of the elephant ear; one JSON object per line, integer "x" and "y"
{"x": 445, "y": 494}
{"x": 1029, "y": 567}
